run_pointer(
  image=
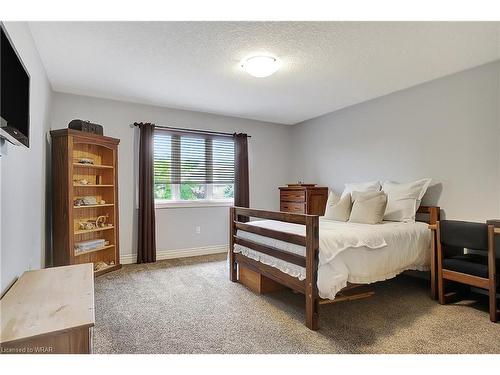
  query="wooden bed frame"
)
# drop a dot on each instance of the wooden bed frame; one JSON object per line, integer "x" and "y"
{"x": 310, "y": 241}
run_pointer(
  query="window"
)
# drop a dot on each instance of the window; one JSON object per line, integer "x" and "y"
{"x": 193, "y": 168}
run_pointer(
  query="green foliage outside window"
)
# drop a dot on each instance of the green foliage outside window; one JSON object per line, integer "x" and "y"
{"x": 163, "y": 191}
{"x": 193, "y": 191}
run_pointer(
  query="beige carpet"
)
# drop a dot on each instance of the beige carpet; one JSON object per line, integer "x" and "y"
{"x": 190, "y": 306}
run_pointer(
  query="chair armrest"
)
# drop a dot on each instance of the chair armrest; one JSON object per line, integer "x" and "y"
{"x": 496, "y": 224}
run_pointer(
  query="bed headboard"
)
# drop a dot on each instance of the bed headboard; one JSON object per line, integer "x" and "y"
{"x": 428, "y": 214}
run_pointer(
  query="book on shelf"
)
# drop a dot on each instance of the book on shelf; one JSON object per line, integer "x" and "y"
{"x": 90, "y": 245}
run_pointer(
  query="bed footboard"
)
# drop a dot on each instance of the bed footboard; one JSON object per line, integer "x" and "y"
{"x": 311, "y": 242}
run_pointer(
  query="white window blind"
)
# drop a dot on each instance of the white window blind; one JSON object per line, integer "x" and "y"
{"x": 193, "y": 158}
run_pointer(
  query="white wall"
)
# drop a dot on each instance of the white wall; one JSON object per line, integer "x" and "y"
{"x": 23, "y": 173}
{"x": 268, "y": 162}
{"x": 447, "y": 129}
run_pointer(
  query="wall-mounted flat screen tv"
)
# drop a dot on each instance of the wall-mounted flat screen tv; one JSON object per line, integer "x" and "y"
{"x": 15, "y": 94}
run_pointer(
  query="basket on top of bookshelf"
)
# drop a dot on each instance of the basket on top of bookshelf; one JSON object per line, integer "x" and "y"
{"x": 85, "y": 200}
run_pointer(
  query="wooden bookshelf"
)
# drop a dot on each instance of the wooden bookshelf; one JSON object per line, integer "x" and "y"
{"x": 100, "y": 180}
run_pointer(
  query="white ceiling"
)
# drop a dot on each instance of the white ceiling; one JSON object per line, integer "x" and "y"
{"x": 195, "y": 65}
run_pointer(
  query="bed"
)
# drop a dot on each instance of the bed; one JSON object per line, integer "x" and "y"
{"x": 322, "y": 258}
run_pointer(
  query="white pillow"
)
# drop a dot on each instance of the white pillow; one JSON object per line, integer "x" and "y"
{"x": 368, "y": 207}
{"x": 403, "y": 200}
{"x": 338, "y": 209}
{"x": 361, "y": 187}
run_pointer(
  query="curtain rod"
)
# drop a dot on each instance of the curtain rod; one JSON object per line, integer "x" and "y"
{"x": 193, "y": 130}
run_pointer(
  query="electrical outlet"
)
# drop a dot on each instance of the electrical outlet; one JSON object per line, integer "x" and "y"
{"x": 198, "y": 229}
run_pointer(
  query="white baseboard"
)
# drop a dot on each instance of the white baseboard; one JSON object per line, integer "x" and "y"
{"x": 180, "y": 253}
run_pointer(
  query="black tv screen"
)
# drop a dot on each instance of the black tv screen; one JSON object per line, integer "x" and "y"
{"x": 15, "y": 94}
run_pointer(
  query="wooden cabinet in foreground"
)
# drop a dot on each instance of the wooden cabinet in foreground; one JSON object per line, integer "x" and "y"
{"x": 85, "y": 200}
{"x": 49, "y": 311}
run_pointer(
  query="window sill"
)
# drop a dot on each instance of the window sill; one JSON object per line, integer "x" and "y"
{"x": 193, "y": 204}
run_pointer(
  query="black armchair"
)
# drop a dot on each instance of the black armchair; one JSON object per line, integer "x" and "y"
{"x": 471, "y": 268}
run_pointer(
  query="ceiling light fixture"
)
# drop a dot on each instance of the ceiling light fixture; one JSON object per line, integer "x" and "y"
{"x": 260, "y": 66}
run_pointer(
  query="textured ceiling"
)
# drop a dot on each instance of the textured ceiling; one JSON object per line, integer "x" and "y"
{"x": 195, "y": 65}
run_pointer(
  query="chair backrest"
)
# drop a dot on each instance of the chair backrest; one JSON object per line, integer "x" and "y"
{"x": 464, "y": 234}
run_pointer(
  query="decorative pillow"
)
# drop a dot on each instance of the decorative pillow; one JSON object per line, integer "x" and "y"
{"x": 361, "y": 186}
{"x": 368, "y": 207}
{"x": 403, "y": 200}
{"x": 337, "y": 208}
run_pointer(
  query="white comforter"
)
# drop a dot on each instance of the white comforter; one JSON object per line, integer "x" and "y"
{"x": 349, "y": 252}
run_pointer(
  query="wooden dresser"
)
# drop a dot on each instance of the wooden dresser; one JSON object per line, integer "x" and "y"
{"x": 303, "y": 199}
{"x": 49, "y": 311}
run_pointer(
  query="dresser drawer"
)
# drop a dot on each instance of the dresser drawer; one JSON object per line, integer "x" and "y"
{"x": 306, "y": 199}
{"x": 298, "y": 208}
{"x": 292, "y": 195}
